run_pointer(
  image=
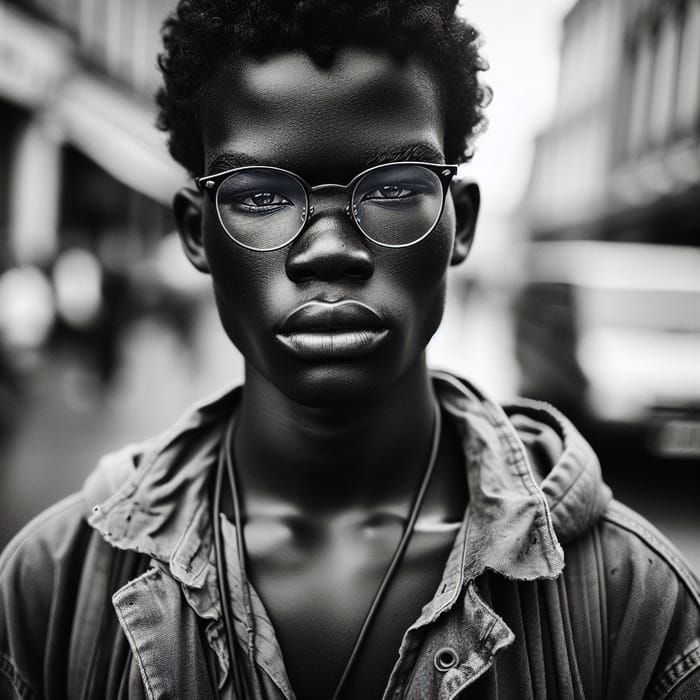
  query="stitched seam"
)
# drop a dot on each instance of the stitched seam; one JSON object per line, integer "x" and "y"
{"x": 487, "y": 664}
{"x": 458, "y": 586}
{"x": 139, "y": 660}
{"x": 522, "y": 469}
{"x": 679, "y": 668}
{"x": 555, "y": 503}
{"x": 186, "y": 562}
{"x": 404, "y": 685}
{"x": 603, "y": 599}
{"x": 615, "y": 516}
{"x": 545, "y": 411}
{"x": 130, "y": 636}
{"x": 134, "y": 649}
{"x": 9, "y": 670}
{"x": 520, "y": 466}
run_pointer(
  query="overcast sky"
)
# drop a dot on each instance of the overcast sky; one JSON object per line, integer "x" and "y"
{"x": 521, "y": 43}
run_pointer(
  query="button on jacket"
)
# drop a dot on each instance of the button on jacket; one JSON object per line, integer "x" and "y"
{"x": 551, "y": 590}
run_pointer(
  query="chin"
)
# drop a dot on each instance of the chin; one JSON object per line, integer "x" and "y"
{"x": 338, "y": 383}
{"x": 336, "y": 386}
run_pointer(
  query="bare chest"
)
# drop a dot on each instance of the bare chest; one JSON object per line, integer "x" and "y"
{"x": 318, "y": 583}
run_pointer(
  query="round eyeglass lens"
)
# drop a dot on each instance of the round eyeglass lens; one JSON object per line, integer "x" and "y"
{"x": 261, "y": 208}
{"x": 397, "y": 205}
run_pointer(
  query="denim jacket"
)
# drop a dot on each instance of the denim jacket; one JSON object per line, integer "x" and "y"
{"x": 551, "y": 589}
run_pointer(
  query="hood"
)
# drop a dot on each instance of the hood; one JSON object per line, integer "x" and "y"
{"x": 564, "y": 465}
{"x": 556, "y": 458}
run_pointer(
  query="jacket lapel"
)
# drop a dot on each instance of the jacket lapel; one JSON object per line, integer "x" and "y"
{"x": 164, "y": 637}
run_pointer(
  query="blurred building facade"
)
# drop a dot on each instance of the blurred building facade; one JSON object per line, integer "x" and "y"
{"x": 623, "y": 146}
{"x": 608, "y": 322}
{"x": 82, "y": 167}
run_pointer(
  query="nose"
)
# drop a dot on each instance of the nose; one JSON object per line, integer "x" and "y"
{"x": 330, "y": 247}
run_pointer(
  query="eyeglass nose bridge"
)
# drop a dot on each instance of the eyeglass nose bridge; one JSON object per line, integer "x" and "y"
{"x": 345, "y": 189}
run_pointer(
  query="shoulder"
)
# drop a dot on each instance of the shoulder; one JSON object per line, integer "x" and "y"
{"x": 631, "y": 541}
{"x": 648, "y": 599}
{"x": 39, "y": 571}
{"x": 41, "y": 563}
{"x": 47, "y": 539}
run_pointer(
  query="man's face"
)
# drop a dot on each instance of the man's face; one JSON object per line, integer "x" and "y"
{"x": 326, "y": 125}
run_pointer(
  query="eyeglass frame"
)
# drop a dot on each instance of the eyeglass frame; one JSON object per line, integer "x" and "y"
{"x": 211, "y": 184}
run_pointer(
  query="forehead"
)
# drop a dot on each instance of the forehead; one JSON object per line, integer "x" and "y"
{"x": 286, "y": 111}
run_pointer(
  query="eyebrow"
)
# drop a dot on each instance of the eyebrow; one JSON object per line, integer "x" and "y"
{"x": 421, "y": 151}
{"x": 229, "y": 161}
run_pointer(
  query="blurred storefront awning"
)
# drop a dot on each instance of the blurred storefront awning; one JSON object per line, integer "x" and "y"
{"x": 107, "y": 123}
{"x": 118, "y": 133}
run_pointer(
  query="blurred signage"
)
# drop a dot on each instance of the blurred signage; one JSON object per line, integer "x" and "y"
{"x": 32, "y": 59}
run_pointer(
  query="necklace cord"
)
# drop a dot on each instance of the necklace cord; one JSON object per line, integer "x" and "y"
{"x": 398, "y": 554}
{"x": 243, "y": 573}
{"x": 226, "y": 461}
{"x": 222, "y": 582}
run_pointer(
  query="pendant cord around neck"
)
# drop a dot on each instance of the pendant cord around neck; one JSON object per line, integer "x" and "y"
{"x": 226, "y": 462}
{"x": 222, "y": 583}
{"x": 398, "y": 554}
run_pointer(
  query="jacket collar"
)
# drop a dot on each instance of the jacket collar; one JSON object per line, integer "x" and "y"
{"x": 160, "y": 505}
{"x": 507, "y": 527}
{"x": 159, "y": 502}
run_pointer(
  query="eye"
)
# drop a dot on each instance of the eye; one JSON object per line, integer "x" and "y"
{"x": 261, "y": 202}
{"x": 393, "y": 191}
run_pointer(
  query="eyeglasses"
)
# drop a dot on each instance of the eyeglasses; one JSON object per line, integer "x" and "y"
{"x": 394, "y": 205}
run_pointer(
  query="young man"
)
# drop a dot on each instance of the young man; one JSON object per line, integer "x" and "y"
{"x": 345, "y": 525}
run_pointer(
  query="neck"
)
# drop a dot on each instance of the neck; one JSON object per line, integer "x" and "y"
{"x": 334, "y": 458}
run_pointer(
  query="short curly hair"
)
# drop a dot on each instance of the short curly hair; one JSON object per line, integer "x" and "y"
{"x": 200, "y": 32}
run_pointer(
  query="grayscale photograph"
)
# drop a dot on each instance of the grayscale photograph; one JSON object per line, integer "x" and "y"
{"x": 349, "y": 350}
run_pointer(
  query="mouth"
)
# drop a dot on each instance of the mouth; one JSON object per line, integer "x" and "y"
{"x": 344, "y": 329}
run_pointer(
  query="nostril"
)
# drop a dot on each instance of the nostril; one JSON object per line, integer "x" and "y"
{"x": 329, "y": 251}
{"x": 359, "y": 271}
{"x": 330, "y": 248}
{"x": 329, "y": 267}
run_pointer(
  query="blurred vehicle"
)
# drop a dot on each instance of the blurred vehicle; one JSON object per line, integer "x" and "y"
{"x": 610, "y": 332}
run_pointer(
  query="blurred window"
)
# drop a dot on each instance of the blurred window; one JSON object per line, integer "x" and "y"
{"x": 117, "y": 41}
{"x": 664, "y": 80}
{"x": 86, "y": 24}
{"x": 642, "y": 60}
{"x": 142, "y": 54}
{"x": 688, "y": 95}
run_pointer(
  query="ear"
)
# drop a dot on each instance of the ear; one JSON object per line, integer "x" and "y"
{"x": 187, "y": 207}
{"x": 466, "y": 198}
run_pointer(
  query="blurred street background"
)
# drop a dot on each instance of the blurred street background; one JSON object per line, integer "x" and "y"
{"x": 583, "y": 287}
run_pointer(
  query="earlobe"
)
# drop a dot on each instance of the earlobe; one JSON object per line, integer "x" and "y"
{"x": 187, "y": 207}
{"x": 467, "y": 198}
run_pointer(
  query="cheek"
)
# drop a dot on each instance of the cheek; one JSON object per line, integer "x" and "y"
{"x": 238, "y": 276}
{"x": 424, "y": 267}
{"x": 418, "y": 282}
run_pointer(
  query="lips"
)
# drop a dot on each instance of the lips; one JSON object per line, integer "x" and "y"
{"x": 327, "y": 316}
{"x": 332, "y": 330}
